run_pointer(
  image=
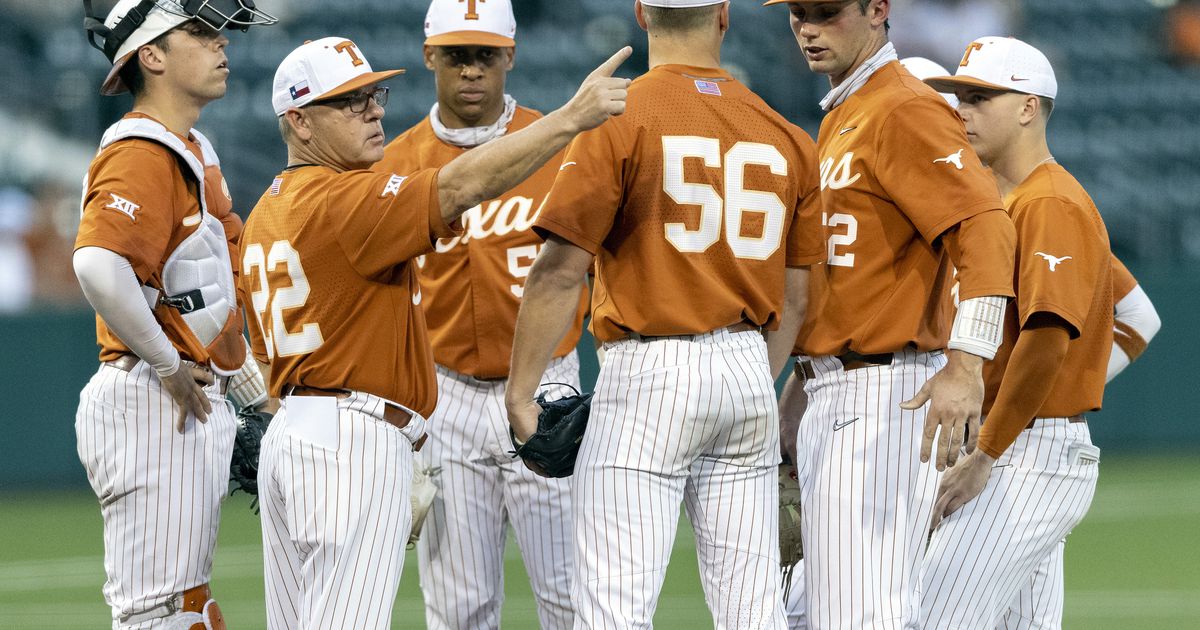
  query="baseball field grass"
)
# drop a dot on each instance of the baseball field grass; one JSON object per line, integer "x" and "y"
{"x": 1134, "y": 562}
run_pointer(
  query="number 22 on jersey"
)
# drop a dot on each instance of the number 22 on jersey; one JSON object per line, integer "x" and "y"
{"x": 278, "y": 340}
{"x": 716, "y": 210}
{"x": 837, "y": 178}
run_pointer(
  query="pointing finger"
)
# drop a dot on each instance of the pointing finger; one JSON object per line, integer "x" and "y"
{"x": 607, "y": 68}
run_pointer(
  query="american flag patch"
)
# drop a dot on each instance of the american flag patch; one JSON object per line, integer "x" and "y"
{"x": 707, "y": 87}
{"x": 300, "y": 89}
{"x": 275, "y": 185}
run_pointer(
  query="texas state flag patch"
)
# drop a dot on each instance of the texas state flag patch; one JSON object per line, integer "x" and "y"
{"x": 299, "y": 90}
{"x": 707, "y": 87}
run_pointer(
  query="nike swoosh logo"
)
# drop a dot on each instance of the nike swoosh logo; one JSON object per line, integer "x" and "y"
{"x": 565, "y": 165}
{"x": 838, "y": 426}
{"x": 846, "y": 130}
{"x": 1016, "y": 78}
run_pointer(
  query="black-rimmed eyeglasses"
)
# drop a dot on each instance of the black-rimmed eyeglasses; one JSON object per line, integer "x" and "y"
{"x": 358, "y": 102}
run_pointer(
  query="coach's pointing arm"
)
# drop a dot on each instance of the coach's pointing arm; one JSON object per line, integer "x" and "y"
{"x": 495, "y": 167}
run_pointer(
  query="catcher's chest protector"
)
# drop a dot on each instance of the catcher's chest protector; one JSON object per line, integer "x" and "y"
{"x": 198, "y": 272}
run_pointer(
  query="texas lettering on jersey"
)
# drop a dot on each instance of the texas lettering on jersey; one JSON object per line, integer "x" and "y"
{"x": 472, "y": 283}
{"x": 497, "y": 217}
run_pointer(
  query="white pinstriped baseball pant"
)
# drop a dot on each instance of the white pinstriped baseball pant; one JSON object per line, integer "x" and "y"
{"x": 483, "y": 489}
{"x": 679, "y": 419}
{"x": 867, "y": 497}
{"x": 997, "y": 561}
{"x": 334, "y": 490}
{"x": 160, "y": 491}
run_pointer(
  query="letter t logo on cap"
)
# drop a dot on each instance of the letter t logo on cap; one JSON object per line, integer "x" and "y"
{"x": 471, "y": 13}
{"x": 967, "y": 56}
{"x": 348, "y": 47}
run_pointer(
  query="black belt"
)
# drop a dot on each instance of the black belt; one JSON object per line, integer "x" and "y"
{"x": 850, "y": 361}
{"x": 853, "y": 360}
{"x": 1072, "y": 419}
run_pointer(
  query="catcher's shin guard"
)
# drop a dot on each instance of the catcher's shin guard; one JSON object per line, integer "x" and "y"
{"x": 199, "y": 601}
{"x": 193, "y": 609}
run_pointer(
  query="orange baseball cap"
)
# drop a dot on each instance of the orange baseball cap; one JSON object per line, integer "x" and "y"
{"x": 470, "y": 23}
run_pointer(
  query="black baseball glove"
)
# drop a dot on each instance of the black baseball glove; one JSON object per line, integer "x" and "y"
{"x": 551, "y": 450}
{"x": 243, "y": 466}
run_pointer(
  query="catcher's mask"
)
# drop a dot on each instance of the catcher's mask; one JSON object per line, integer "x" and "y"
{"x": 132, "y": 24}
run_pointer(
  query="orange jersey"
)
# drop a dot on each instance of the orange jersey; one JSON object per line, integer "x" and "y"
{"x": 693, "y": 201}
{"x": 473, "y": 283}
{"x": 1123, "y": 281}
{"x": 329, "y": 276}
{"x": 897, "y": 172}
{"x": 1064, "y": 267}
{"x": 138, "y": 194}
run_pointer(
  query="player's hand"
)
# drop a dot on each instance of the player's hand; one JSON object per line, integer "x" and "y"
{"x": 186, "y": 388}
{"x": 600, "y": 96}
{"x": 523, "y": 417}
{"x": 955, "y": 397}
{"x": 961, "y": 484}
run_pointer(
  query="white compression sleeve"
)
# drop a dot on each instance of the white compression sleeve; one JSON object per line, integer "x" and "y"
{"x": 1135, "y": 324}
{"x": 979, "y": 326}
{"x": 1117, "y": 362}
{"x": 112, "y": 288}
{"x": 1137, "y": 311}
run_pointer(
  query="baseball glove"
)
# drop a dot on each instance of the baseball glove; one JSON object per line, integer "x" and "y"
{"x": 243, "y": 466}
{"x": 424, "y": 491}
{"x": 791, "y": 547}
{"x": 551, "y": 450}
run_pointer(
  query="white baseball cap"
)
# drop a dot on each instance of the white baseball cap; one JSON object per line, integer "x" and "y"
{"x": 923, "y": 68}
{"x": 324, "y": 68}
{"x": 680, "y": 4}
{"x": 470, "y": 23}
{"x": 156, "y": 22}
{"x": 1002, "y": 63}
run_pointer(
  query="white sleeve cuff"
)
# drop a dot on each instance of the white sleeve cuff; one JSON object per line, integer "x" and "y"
{"x": 979, "y": 326}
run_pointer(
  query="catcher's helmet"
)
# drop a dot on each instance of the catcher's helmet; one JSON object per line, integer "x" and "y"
{"x": 132, "y": 24}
